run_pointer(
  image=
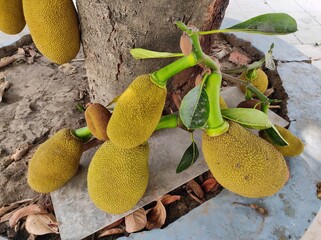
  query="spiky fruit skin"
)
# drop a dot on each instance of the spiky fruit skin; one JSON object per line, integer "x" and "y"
{"x": 53, "y": 25}
{"x": 223, "y": 104}
{"x": 245, "y": 163}
{"x": 295, "y": 146}
{"x": 97, "y": 118}
{"x": 137, "y": 113}
{"x": 117, "y": 178}
{"x": 12, "y": 20}
{"x": 55, "y": 162}
{"x": 261, "y": 82}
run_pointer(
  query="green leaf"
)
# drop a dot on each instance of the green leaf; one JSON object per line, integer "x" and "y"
{"x": 271, "y": 23}
{"x": 140, "y": 53}
{"x": 248, "y": 117}
{"x": 194, "y": 110}
{"x": 190, "y": 156}
{"x": 80, "y": 107}
{"x": 275, "y": 136}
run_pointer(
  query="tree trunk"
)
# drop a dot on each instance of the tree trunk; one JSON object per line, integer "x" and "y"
{"x": 111, "y": 28}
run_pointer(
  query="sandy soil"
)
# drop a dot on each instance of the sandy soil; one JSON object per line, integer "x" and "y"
{"x": 41, "y": 99}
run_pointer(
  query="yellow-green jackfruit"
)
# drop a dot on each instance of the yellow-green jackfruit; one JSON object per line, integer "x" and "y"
{"x": 260, "y": 82}
{"x": 97, "y": 118}
{"x": 117, "y": 178}
{"x": 55, "y": 162}
{"x": 53, "y": 25}
{"x": 12, "y": 20}
{"x": 295, "y": 146}
{"x": 137, "y": 113}
{"x": 245, "y": 163}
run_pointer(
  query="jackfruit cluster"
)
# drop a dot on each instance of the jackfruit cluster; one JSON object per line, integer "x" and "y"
{"x": 137, "y": 113}
{"x": 245, "y": 163}
{"x": 295, "y": 146}
{"x": 53, "y": 25}
{"x": 97, "y": 118}
{"x": 55, "y": 162}
{"x": 12, "y": 20}
{"x": 117, "y": 178}
{"x": 260, "y": 81}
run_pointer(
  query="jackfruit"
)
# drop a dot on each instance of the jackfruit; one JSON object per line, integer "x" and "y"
{"x": 137, "y": 113}
{"x": 260, "y": 82}
{"x": 97, "y": 118}
{"x": 12, "y": 20}
{"x": 295, "y": 146}
{"x": 53, "y": 25}
{"x": 117, "y": 178}
{"x": 55, "y": 162}
{"x": 223, "y": 104}
{"x": 245, "y": 163}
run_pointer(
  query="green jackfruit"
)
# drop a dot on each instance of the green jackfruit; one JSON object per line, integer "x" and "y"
{"x": 97, "y": 118}
{"x": 12, "y": 20}
{"x": 295, "y": 146}
{"x": 117, "y": 178}
{"x": 245, "y": 163}
{"x": 137, "y": 113}
{"x": 53, "y": 25}
{"x": 260, "y": 82}
{"x": 55, "y": 162}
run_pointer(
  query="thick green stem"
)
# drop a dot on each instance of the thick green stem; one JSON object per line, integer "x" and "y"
{"x": 168, "y": 121}
{"x": 161, "y": 76}
{"x": 215, "y": 124}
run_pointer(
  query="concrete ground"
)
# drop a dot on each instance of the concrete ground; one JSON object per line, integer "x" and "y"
{"x": 307, "y": 13}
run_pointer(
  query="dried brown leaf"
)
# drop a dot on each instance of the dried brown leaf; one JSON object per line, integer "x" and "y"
{"x": 210, "y": 185}
{"x": 4, "y": 84}
{"x": 41, "y": 224}
{"x": 12, "y": 206}
{"x": 112, "y": 231}
{"x": 196, "y": 188}
{"x": 177, "y": 99}
{"x": 25, "y": 211}
{"x": 156, "y": 216}
{"x": 113, "y": 225}
{"x": 186, "y": 44}
{"x": 136, "y": 221}
{"x": 198, "y": 80}
{"x": 200, "y": 201}
{"x": 20, "y": 152}
{"x": 239, "y": 58}
{"x": 168, "y": 199}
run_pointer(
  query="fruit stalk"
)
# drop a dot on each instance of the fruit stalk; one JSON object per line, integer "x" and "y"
{"x": 168, "y": 121}
{"x": 215, "y": 124}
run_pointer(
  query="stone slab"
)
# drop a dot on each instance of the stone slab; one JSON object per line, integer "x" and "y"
{"x": 292, "y": 209}
{"x": 78, "y": 215}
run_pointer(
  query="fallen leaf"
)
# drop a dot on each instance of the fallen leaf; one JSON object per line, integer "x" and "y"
{"x": 156, "y": 216}
{"x": 112, "y": 231}
{"x": 196, "y": 188}
{"x": 25, "y": 211}
{"x": 41, "y": 224}
{"x": 200, "y": 201}
{"x": 177, "y": 99}
{"x": 168, "y": 199}
{"x": 32, "y": 237}
{"x": 186, "y": 44}
{"x": 239, "y": 58}
{"x": 210, "y": 185}
{"x": 113, "y": 225}
{"x": 4, "y": 84}
{"x": 20, "y": 152}
{"x": 12, "y": 206}
{"x": 136, "y": 221}
{"x": 7, "y": 60}
{"x": 198, "y": 80}
{"x": 67, "y": 69}
{"x": 268, "y": 92}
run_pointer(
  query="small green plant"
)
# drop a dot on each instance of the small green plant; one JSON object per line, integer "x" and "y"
{"x": 233, "y": 154}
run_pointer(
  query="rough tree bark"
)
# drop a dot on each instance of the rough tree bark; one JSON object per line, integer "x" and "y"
{"x": 111, "y": 28}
